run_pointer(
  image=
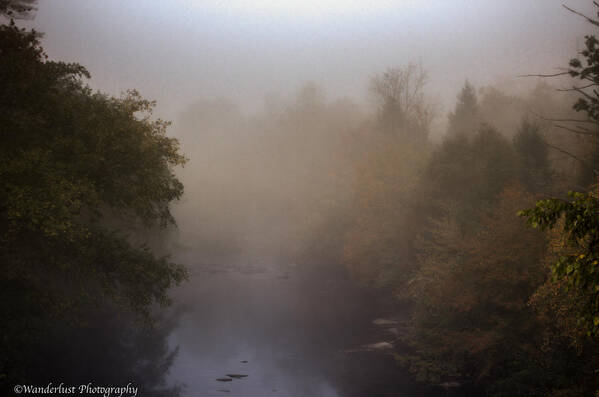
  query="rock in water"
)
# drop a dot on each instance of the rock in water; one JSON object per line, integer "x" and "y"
{"x": 224, "y": 379}
{"x": 381, "y": 322}
{"x": 379, "y": 346}
{"x": 393, "y": 331}
{"x": 236, "y": 376}
{"x": 449, "y": 385}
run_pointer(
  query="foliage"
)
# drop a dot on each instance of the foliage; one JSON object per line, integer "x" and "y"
{"x": 468, "y": 172}
{"x": 77, "y": 170}
{"x": 564, "y": 352}
{"x": 471, "y": 294}
{"x": 486, "y": 311}
{"x": 533, "y": 157}
{"x": 478, "y": 265}
{"x": 377, "y": 245}
{"x": 108, "y": 347}
{"x": 17, "y": 8}
{"x": 587, "y": 71}
{"x": 580, "y": 228}
{"x": 580, "y": 224}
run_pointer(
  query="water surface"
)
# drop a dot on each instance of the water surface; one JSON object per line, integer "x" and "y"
{"x": 295, "y": 331}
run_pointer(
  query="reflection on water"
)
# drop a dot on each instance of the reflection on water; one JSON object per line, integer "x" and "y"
{"x": 291, "y": 330}
{"x": 245, "y": 317}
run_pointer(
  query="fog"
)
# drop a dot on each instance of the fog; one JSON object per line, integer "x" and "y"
{"x": 215, "y": 69}
{"x": 352, "y": 173}
{"x": 177, "y": 52}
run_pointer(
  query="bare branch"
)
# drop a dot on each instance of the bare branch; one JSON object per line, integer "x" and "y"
{"x": 545, "y": 75}
{"x": 594, "y": 22}
{"x": 581, "y": 92}
{"x": 588, "y": 121}
{"x": 581, "y": 132}
{"x": 574, "y": 88}
{"x": 581, "y": 161}
{"x": 587, "y": 78}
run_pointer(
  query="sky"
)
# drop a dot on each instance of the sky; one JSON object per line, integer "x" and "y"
{"x": 180, "y": 51}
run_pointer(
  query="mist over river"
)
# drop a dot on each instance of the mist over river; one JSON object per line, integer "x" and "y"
{"x": 294, "y": 331}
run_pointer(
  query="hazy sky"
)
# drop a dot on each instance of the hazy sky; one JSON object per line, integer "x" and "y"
{"x": 178, "y": 51}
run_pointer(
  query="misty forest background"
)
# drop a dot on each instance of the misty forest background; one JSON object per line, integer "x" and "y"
{"x": 474, "y": 232}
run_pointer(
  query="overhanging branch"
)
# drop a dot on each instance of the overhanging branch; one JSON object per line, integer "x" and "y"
{"x": 594, "y": 22}
{"x": 575, "y": 157}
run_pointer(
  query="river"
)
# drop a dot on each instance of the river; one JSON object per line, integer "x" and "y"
{"x": 293, "y": 330}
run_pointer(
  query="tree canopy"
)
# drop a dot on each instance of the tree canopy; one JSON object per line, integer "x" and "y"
{"x": 77, "y": 169}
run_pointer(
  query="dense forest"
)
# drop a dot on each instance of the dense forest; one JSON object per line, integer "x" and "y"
{"x": 485, "y": 239}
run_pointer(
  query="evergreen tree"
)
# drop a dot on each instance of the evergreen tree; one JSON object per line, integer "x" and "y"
{"x": 465, "y": 118}
{"x": 533, "y": 162}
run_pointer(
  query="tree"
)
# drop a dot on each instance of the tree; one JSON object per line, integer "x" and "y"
{"x": 471, "y": 294}
{"x": 578, "y": 218}
{"x": 402, "y": 107}
{"x": 17, "y": 8}
{"x": 77, "y": 168}
{"x": 377, "y": 245}
{"x": 586, "y": 69}
{"x": 534, "y": 169}
{"x": 465, "y": 118}
{"x": 468, "y": 171}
